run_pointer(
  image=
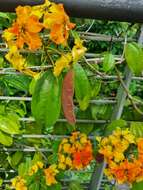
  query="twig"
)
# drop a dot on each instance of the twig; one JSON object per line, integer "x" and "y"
{"x": 128, "y": 93}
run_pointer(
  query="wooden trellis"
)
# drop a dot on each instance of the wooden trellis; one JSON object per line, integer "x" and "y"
{"x": 97, "y": 178}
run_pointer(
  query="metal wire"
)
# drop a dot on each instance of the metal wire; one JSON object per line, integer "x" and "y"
{"x": 31, "y": 149}
{"x": 46, "y": 136}
{"x": 102, "y": 101}
{"x": 24, "y": 119}
{"x": 102, "y": 37}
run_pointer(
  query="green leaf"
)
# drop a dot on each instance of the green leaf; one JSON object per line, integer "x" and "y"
{"x": 33, "y": 84}
{"x": 75, "y": 185}
{"x": 5, "y": 139}
{"x": 10, "y": 124}
{"x": 19, "y": 82}
{"x": 137, "y": 186}
{"x": 37, "y": 157}
{"x": 16, "y": 158}
{"x": 96, "y": 88}
{"x": 34, "y": 186}
{"x": 46, "y": 100}
{"x": 82, "y": 87}
{"x": 55, "y": 146}
{"x": 137, "y": 129}
{"x": 53, "y": 158}
{"x": 23, "y": 168}
{"x": 63, "y": 128}
{"x": 134, "y": 57}
{"x": 1, "y": 61}
{"x": 108, "y": 62}
{"x": 84, "y": 127}
{"x": 4, "y": 15}
{"x": 1, "y": 182}
{"x": 113, "y": 125}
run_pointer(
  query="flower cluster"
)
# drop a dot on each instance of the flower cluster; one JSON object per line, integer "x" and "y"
{"x": 35, "y": 168}
{"x": 25, "y": 34}
{"x": 66, "y": 60}
{"x": 50, "y": 174}
{"x": 19, "y": 183}
{"x": 123, "y": 164}
{"x": 75, "y": 152}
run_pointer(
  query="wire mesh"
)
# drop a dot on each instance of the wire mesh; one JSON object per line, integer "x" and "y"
{"x": 89, "y": 57}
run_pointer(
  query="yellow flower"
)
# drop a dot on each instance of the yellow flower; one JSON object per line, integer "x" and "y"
{"x": 39, "y": 10}
{"x": 78, "y": 50}
{"x": 50, "y": 174}
{"x": 118, "y": 156}
{"x": 33, "y": 170}
{"x": 19, "y": 183}
{"x": 107, "y": 152}
{"x": 117, "y": 132}
{"x": 104, "y": 141}
{"x": 98, "y": 139}
{"x": 61, "y": 158}
{"x": 78, "y": 145}
{"x": 108, "y": 174}
{"x": 64, "y": 141}
{"x": 8, "y": 36}
{"x": 130, "y": 138}
{"x": 57, "y": 21}
{"x": 63, "y": 62}
{"x": 66, "y": 148}
{"x": 124, "y": 144}
{"x": 74, "y": 137}
{"x": 68, "y": 161}
{"x": 18, "y": 61}
{"x": 35, "y": 167}
{"x": 83, "y": 139}
{"x": 40, "y": 164}
{"x": 61, "y": 166}
{"x": 114, "y": 140}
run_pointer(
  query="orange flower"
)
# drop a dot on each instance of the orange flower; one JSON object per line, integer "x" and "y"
{"x": 25, "y": 29}
{"x": 77, "y": 160}
{"x": 76, "y": 151}
{"x": 50, "y": 174}
{"x": 58, "y": 22}
{"x": 140, "y": 146}
{"x": 82, "y": 158}
{"x": 87, "y": 156}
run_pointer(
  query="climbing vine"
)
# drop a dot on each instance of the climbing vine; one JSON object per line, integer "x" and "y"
{"x": 63, "y": 87}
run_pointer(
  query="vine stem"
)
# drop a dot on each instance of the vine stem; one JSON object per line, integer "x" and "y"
{"x": 128, "y": 93}
{"x": 95, "y": 70}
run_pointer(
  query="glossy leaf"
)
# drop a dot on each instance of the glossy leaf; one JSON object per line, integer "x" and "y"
{"x": 5, "y": 139}
{"x": 134, "y": 57}
{"x": 23, "y": 168}
{"x": 67, "y": 97}
{"x": 19, "y": 82}
{"x": 82, "y": 87}
{"x": 96, "y": 86}
{"x": 85, "y": 127}
{"x": 34, "y": 186}
{"x": 10, "y": 124}
{"x": 75, "y": 185}
{"x": 108, "y": 61}
{"x": 46, "y": 100}
{"x": 16, "y": 158}
{"x": 4, "y": 15}
{"x": 137, "y": 129}
{"x": 1, "y": 182}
